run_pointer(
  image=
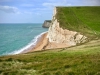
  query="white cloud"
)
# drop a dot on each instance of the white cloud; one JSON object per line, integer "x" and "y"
{"x": 53, "y": 3}
{"x": 27, "y": 5}
{"x": 40, "y": 9}
{"x": 38, "y": 14}
{"x": 50, "y": 4}
{"x": 9, "y": 9}
{"x": 92, "y": 2}
{"x": 28, "y": 12}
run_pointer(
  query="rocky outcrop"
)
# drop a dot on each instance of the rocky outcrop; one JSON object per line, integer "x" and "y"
{"x": 62, "y": 37}
{"x": 59, "y": 35}
{"x": 46, "y": 24}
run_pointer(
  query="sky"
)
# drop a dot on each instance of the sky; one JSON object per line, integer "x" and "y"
{"x": 35, "y": 11}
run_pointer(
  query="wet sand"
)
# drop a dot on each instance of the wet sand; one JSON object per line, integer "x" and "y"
{"x": 41, "y": 43}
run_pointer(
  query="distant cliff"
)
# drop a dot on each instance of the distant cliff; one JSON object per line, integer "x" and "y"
{"x": 46, "y": 24}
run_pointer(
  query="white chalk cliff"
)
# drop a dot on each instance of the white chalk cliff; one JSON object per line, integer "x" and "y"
{"x": 59, "y": 37}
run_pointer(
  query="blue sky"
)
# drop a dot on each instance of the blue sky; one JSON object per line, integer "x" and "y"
{"x": 35, "y": 11}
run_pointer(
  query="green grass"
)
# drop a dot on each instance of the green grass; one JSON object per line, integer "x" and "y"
{"x": 79, "y": 60}
{"x": 85, "y": 20}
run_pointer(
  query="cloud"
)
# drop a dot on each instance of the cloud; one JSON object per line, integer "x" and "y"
{"x": 95, "y": 2}
{"x": 28, "y": 12}
{"x": 40, "y": 9}
{"x": 27, "y": 5}
{"x": 92, "y": 2}
{"x": 9, "y": 9}
{"x": 38, "y": 14}
{"x": 53, "y": 3}
{"x": 50, "y": 4}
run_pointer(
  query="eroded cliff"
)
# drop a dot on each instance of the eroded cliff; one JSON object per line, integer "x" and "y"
{"x": 59, "y": 37}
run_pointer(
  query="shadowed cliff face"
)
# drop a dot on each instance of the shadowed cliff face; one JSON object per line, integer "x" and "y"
{"x": 63, "y": 36}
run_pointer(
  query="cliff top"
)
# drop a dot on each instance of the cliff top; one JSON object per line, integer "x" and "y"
{"x": 47, "y": 20}
{"x": 85, "y": 19}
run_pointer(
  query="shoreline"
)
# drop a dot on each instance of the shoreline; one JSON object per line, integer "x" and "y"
{"x": 40, "y": 43}
{"x": 43, "y": 44}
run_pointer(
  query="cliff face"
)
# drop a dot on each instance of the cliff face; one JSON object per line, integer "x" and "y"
{"x": 46, "y": 24}
{"x": 58, "y": 36}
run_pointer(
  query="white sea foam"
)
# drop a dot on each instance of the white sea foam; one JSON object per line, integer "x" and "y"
{"x": 29, "y": 46}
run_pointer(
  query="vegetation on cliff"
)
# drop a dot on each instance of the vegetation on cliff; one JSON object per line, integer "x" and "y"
{"x": 81, "y": 19}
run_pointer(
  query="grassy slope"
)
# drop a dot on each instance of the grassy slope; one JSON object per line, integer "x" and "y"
{"x": 79, "y": 60}
{"x": 82, "y": 19}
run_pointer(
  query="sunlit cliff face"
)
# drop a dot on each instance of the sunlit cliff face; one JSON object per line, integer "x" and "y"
{"x": 63, "y": 36}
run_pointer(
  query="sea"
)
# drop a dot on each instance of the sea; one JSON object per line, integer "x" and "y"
{"x": 18, "y": 37}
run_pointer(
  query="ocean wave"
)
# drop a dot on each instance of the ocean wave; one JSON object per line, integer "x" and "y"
{"x": 29, "y": 46}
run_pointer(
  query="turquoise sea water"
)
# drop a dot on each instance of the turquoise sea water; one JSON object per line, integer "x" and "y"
{"x": 14, "y": 38}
